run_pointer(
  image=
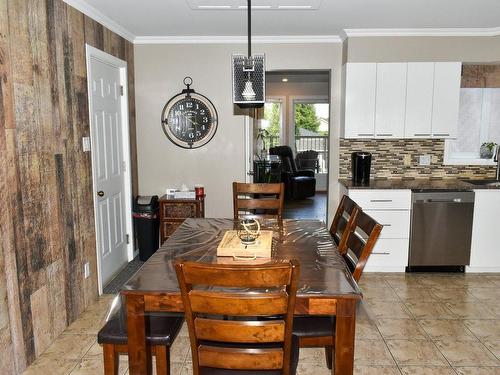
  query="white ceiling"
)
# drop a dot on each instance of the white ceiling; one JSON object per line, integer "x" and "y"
{"x": 177, "y": 18}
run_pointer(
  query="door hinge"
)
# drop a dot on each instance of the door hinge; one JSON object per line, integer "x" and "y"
{"x": 121, "y": 90}
{"x": 127, "y": 237}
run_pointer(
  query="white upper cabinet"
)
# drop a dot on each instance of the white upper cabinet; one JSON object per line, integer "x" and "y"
{"x": 419, "y": 94}
{"x": 361, "y": 81}
{"x": 390, "y": 100}
{"x": 402, "y": 100}
{"x": 447, "y": 76}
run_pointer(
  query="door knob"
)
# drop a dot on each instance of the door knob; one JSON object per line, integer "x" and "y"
{"x": 100, "y": 193}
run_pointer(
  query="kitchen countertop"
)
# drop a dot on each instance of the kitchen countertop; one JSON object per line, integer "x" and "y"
{"x": 417, "y": 184}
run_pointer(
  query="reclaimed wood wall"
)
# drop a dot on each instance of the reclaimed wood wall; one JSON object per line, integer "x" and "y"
{"x": 46, "y": 222}
{"x": 481, "y": 76}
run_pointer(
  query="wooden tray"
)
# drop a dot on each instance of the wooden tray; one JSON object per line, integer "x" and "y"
{"x": 231, "y": 246}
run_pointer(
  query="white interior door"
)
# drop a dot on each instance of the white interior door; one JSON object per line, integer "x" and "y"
{"x": 109, "y": 164}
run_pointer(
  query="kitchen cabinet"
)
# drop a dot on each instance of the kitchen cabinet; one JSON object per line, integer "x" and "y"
{"x": 391, "y": 208}
{"x": 485, "y": 247}
{"x": 419, "y": 93}
{"x": 390, "y": 100}
{"x": 173, "y": 212}
{"x": 446, "y": 99}
{"x": 402, "y": 100}
{"x": 361, "y": 82}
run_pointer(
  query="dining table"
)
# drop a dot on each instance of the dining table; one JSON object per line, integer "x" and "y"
{"x": 326, "y": 286}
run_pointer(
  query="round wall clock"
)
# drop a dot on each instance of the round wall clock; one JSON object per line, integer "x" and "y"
{"x": 189, "y": 119}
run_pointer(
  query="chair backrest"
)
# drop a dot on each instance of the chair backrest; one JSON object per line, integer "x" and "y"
{"x": 342, "y": 220}
{"x": 269, "y": 198}
{"x": 286, "y": 155}
{"x": 307, "y": 160}
{"x": 221, "y": 314}
{"x": 360, "y": 240}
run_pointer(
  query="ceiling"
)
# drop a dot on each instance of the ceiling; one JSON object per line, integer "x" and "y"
{"x": 180, "y": 18}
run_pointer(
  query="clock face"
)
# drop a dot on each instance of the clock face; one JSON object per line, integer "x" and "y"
{"x": 189, "y": 120}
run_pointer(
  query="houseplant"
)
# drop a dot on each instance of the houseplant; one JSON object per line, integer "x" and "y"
{"x": 487, "y": 149}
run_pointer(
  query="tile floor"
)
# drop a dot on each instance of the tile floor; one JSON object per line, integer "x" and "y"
{"x": 407, "y": 324}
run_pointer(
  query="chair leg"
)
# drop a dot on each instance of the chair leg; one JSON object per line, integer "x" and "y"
{"x": 111, "y": 359}
{"x": 162, "y": 360}
{"x": 329, "y": 356}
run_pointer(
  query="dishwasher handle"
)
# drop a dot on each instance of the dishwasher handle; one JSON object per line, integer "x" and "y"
{"x": 454, "y": 200}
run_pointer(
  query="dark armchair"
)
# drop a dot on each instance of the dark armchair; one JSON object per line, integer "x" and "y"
{"x": 299, "y": 184}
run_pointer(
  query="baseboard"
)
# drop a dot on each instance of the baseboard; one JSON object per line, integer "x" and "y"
{"x": 474, "y": 269}
{"x": 384, "y": 269}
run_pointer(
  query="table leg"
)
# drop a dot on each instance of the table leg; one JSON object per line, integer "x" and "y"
{"x": 345, "y": 326}
{"x": 139, "y": 354}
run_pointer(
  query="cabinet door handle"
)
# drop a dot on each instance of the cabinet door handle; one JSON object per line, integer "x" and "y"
{"x": 441, "y": 134}
{"x": 365, "y": 134}
{"x": 380, "y": 200}
{"x": 382, "y": 253}
{"x": 422, "y": 134}
{"x": 384, "y": 135}
{"x": 387, "y": 225}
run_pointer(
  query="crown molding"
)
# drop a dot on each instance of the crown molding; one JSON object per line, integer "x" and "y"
{"x": 98, "y": 16}
{"x": 353, "y": 33}
{"x": 284, "y": 39}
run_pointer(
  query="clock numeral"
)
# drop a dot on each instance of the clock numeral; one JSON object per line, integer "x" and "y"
{"x": 197, "y": 106}
{"x": 191, "y": 135}
{"x": 202, "y": 112}
{"x": 177, "y": 113}
{"x": 198, "y": 133}
{"x": 189, "y": 105}
{"x": 203, "y": 127}
{"x": 205, "y": 119}
{"x": 181, "y": 107}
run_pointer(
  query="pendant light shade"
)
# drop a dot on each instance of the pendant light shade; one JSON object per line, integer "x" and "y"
{"x": 249, "y": 74}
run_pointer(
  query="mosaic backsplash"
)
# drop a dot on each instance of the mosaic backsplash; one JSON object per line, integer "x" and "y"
{"x": 388, "y": 159}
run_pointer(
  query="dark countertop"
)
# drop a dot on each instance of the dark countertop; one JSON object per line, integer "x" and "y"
{"x": 417, "y": 184}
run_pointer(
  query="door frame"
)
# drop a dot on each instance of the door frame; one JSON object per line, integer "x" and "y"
{"x": 97, "y": 54}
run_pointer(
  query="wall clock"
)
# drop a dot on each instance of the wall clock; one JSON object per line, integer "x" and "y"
{"x": 189, "y": 119}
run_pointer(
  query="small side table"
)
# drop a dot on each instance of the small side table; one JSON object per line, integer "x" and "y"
{"x": 173, "y": 212}
{"x": 266, "y": 171}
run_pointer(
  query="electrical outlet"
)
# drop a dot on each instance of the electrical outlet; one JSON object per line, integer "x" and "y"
{"x": 86, "y": 144}
{"x": 407, "y": 160}
{"x": 86, "y": 270}
{"x": 424, "y": 160}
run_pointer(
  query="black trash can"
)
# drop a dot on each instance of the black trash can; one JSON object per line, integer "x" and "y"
{"x": 146, "y": 224}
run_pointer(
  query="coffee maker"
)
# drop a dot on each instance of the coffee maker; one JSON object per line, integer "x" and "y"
{"x": 360, "y": 166}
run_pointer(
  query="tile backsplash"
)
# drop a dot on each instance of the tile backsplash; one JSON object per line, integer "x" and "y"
{"x": 388, "y": 159}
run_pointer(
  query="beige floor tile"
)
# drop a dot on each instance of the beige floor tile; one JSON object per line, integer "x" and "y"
{"x": 180, "y": 350}
{"x": 478, "y": 370}
{"x": 384, "y": 310}
{"x": 96, "y": 367}
{"x": 400, "y": 329}
{"x": 95, "y": 352}
{"x": 380, "y": 294}
{"x": 466, "y": 353}
{"x": 427, "y": 370}
{"x": 417, "y": 295}
{"x": 470, "y": 281}
{"x": 312, "y": 355}
{"x": 90, "y": 322}
{"x": 367, "y": 329}
{"x": 415, "y": 352}
{"x": 485, "y": 294}
{"x": 444, "y": 329}
{"x": 372, "y": 352}
{"x": 373, "y": 278}
{"x": 184, "y": 330}
{"x": 429, "y": 310}
{"x": 48, "y": 365}
{"x": 484, "y": 328}
{"x": 494, "y": 278}
{"x": 453, "y": 295}
{"x": 408, "y": 280}
{"x": 493, "y": 346}
{"x": 494, "y": 307}
{"x": 312, "y": 369}
{"x": 376, "y": 370}
{"x": 71, "y": 346}
{"x": 470, "y": 310}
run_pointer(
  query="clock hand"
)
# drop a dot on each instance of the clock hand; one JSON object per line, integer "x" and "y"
{"x": 191, "y": 121}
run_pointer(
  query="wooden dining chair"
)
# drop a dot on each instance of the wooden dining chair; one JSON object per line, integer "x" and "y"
{"x": 342, "y": 220}
{"x": 226, "y": 338}
{"x": 361, "y": 237}
{"x": 160, "y": 335}
{"x": 263, "y": 197}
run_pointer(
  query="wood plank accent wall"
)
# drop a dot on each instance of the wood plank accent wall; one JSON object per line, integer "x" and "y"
{"x": 481, "y": 76}
{"x": 47, "y": 219}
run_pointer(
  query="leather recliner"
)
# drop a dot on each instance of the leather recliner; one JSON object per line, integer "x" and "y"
{"x": 299, "y": 184}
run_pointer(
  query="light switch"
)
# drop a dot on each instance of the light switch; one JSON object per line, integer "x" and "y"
{"x": 86, "y": 144}
{"x": 425, "y": 160}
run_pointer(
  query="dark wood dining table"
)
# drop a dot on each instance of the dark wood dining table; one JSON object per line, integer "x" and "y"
{"x": 326, "y": 286}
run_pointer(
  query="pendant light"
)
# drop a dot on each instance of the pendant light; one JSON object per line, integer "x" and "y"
{"x": 249, "y": 73}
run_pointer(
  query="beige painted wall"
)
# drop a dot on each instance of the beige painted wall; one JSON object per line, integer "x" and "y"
{"x": 159, "y": 72}
{"x": 394, "y": 49}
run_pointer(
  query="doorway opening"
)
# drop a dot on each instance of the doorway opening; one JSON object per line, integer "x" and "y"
{"x": 296, "y": 115}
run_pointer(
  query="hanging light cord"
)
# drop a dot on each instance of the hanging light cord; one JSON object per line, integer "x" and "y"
{"x": 249, "y": 8}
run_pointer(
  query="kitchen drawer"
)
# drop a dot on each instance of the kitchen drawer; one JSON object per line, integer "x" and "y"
{"x": 179, "y": 210}
{"x": 170, "y": 226}
{"x": 388, "y": 255}
{"x": 396, "y": 223}
{"x": 383, "y": 199}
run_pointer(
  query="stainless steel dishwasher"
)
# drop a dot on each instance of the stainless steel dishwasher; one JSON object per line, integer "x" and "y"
{"x": 441, "y": 230}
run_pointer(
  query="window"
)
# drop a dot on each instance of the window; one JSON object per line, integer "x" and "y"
{"x": 479, "y": 122}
